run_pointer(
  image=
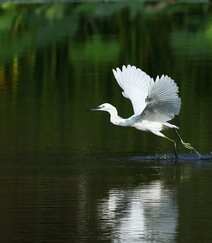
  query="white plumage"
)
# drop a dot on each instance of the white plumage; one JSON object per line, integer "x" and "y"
{"x": 162, "y": 102}
{"x": 135, "y": 84}
{"x": 154, "y": 102}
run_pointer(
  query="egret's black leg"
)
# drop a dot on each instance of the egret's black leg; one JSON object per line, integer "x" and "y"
{"x": 175, "y": 147}
{"x": 187, "y": 145}
{"x": 158, "y": 133}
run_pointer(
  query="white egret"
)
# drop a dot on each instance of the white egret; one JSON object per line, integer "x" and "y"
{"x": 154, "y": 102}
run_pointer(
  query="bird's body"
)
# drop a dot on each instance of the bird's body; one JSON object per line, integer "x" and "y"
{"x": 154, "y": 102}
{"x": 136, "y": 121}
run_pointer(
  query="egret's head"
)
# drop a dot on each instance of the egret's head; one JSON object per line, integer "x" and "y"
{"x": 105, "y": 107}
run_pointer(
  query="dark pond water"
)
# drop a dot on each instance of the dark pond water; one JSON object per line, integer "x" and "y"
{"x": 67, "y": 174}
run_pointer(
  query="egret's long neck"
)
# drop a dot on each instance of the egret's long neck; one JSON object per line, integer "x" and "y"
{"x": 115, "y": 118}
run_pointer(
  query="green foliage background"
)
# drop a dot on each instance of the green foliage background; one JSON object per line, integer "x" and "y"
{"x": 56, "y": 61}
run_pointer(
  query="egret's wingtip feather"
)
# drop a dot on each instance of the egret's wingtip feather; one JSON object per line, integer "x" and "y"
{"x": 129, "y": 67}
{"x": 123, "y": 68}
{"x": 118, "y": 70}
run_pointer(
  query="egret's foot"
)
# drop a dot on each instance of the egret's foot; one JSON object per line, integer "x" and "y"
{"x": 188, "y": 146}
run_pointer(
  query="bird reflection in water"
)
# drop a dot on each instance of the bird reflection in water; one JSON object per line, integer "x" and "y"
{"x": 148, "y": 212}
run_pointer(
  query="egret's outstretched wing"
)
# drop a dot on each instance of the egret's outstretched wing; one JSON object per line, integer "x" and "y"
{"x": 135, "y": 84}
{"x": 163, "y": 102}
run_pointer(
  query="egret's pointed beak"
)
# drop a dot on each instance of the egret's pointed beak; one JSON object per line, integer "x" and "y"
{"x": 98, "y": 108}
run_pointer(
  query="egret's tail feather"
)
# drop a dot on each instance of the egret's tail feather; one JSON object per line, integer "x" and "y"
{"x": 169, "y": 125}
